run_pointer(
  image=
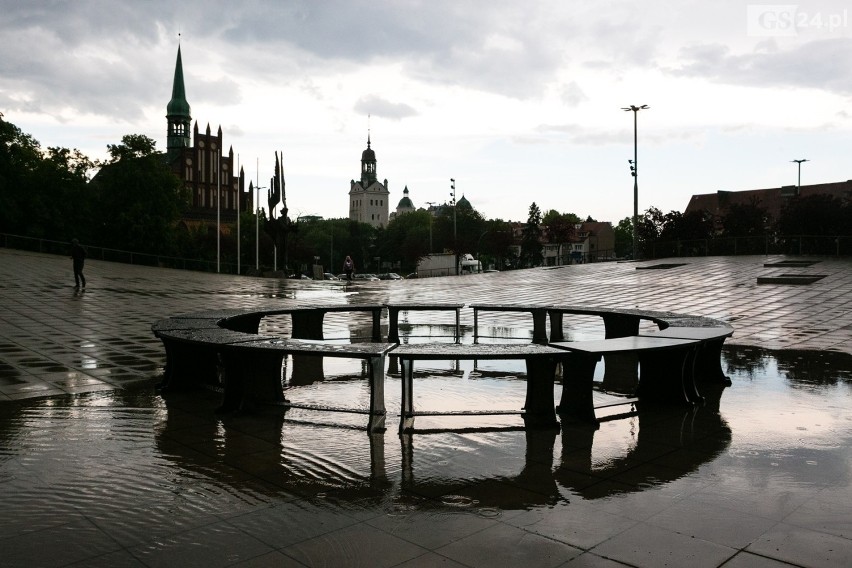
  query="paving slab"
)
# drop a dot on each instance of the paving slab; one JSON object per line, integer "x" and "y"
{"x": 57, "y": 339}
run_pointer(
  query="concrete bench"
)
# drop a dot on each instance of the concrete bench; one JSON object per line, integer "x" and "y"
{"x": 307, "y": 319}
{"x": 711, "y": 334}
{"x": 253, "y": 372}
{"x": 540, "y": 360}
{"x": 665, "y": 371}
{"x": 192, "y": 351}
{"x": 538, "y": 312}
{"x": 395, "y": 308}
{"x": 617, "y": 322}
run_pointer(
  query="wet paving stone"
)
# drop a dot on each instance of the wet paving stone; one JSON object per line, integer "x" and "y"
{"x": 94, "y": 457}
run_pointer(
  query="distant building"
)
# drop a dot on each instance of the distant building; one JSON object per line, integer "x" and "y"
{"x": 405, "y": 204}
{"x": 368, "y": 198}
{"x": 200, "y": 163}
{"x": 593, "y": 241}
{"x": 772, "y": 199}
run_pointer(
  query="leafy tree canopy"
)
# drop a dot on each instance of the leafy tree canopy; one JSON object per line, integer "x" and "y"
{"x": 531, "y": 237}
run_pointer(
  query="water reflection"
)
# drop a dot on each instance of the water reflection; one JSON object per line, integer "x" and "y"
{"x": 505, "y": 468}
{"x": 145, "y": 463}
{"x": 798, "y": 367}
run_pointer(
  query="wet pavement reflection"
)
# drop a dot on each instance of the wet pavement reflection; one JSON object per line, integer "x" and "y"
{"x": 99, "y": 469}
{"x": 139, "y": 466}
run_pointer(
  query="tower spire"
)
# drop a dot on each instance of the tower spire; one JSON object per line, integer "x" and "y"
{"x": 178, "y": 113}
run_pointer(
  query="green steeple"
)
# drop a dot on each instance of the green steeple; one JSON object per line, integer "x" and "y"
{"x": 178, "y": 113}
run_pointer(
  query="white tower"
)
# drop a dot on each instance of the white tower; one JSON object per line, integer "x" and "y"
{"x": 368, "y": 198}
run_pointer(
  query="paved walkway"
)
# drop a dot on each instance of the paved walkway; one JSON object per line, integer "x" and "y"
{"x": 757, "y": 476}
{"x": 55, "y": 339}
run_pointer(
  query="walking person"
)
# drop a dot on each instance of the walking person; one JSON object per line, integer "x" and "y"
{"x": 348, "y": 268}
{"x": 78, "y": 255}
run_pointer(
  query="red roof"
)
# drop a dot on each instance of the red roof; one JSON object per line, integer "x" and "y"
{"x": 772, "y": 199}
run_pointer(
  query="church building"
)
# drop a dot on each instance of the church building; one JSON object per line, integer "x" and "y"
{"x": 208, "y": 174}
{"x": 368, "y": 198}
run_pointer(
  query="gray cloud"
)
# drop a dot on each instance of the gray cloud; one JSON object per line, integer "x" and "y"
{"x": 572, "y": 94}
{"x": 378, "y": 106}
{"x": 101, "y": 57}
{"x": 822, "y": 64}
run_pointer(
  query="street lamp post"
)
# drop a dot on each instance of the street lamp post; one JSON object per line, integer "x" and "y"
{"x": 455, "y": 238}
{"x": 257, "y": 227}
{"x": 430, "y": 204}
{"x": 634, "y": 170}
{"x": 799, "y": 185}
{"x": 478, "y": 250}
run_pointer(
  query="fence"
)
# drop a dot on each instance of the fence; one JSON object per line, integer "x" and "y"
{"x": 821, "y": 245}
{"x": 114, "y": 255}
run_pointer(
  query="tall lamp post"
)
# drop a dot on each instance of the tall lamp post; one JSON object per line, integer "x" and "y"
{"x": 257, "y": 227}
{"x": 430, "y": 204}
{"x": 799, "y": 185}
{"x": 634, "y": 171}
{"x": 455, "y": 238}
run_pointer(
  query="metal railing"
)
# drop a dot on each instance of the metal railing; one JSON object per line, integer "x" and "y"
{"x": 819, "y": 245}
{"x": 47, "y": 246}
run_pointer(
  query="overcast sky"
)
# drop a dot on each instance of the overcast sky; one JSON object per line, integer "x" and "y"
{"x": 519, "y": 101}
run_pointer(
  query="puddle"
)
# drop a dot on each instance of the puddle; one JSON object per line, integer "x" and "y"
{"x": 132, "y": 459}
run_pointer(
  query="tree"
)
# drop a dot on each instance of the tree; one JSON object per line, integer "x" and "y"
{"x": 813, "y": 215}
{"x": 744, "y": 220}
{"x": 44, "y": 193}
{"x": 559, "y": 227}
{"x": 531, "y": 254}
{"x": 495, "y": 244}
{"x": 624, "y": 238}
{"x": 691, "y": 226}
{"x": 406, "y": 239}
{"x": 139, "y": 200}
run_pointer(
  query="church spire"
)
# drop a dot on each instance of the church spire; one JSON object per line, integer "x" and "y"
{"x": 178, "y": 113}
{"x": 368, "y": 164}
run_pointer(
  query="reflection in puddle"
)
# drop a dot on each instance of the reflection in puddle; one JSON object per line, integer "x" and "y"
{"x": 136, "y": 460}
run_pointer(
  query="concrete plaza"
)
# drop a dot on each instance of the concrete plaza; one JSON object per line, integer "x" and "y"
{"x": 765, "y": 482}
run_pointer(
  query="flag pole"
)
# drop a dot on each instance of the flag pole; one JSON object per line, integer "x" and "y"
{"x": 239, "y": 196}
{"x": 218, "y": 207}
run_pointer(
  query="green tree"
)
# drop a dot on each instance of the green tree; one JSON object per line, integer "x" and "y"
{"x": 495, "y": 245}
{"x": 745, "y": 220}
{"x": 44, "y": 193}
{"x": 813, "y": 215}
{"x": 624, "y": 238}
{"x": 691, "y": 226}
{"x": 139, "y": 200}
{"x": 531, "y": 254}
{"x": 559, "y": 227}
{"x": 460, "y": 234}
{"x": 648, "y": 229}
{"x": 406, "y": 239}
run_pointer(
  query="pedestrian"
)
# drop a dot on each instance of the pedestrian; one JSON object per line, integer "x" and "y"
{"x": 348, "y": 268}
{"x": 78, "y": 255}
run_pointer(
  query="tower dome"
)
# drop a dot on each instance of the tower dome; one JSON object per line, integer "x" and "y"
{"x": 405, "y": 202}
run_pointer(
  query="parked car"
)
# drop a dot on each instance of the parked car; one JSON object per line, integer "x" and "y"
{"x": 390, "y": 276}
{"x": 366, "y": 276}
{"x": 412, "y": 275}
